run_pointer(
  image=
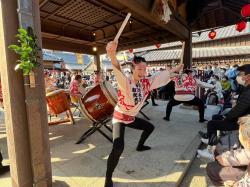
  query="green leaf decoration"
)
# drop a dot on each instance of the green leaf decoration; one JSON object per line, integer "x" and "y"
{"x": 27, "y": 49}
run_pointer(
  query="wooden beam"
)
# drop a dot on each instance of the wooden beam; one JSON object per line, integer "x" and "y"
{"x": 97, "y": 62}
{"x": 57, "y": 10}
{"x": 43, "y": 3}
{"x": 121, "y": 13}
{"x": 57, "y": 30}
{"x": 141, "y": 44}
{"x": 110, "y": 37}
{"x": 186, "y": 56}
{"x": 172, "y": 26}
{"x": 132, "y": 41}
{"x": 237, "y": 14}
{"x": 68, "y": 46}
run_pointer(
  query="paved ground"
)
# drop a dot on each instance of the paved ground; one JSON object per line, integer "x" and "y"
{"x": 173, "y": 146}
{"x": 196, "y": 175}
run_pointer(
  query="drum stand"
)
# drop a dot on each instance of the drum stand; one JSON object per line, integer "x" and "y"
{"x": 96, "y": 126}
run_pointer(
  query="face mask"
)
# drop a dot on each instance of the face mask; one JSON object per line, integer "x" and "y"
{"x": 240, "y": 81}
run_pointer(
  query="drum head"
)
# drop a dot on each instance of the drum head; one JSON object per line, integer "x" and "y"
{"x": 54, "y": 93}
{"x": 98, "y": 103}
{"x": 111, "y": 89}
{"x": 111, "y": 92}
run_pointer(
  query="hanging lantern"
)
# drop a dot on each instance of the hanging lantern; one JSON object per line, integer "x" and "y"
{"x": 245, "y": 11}
{"x": 240, "y": 26}
{"x": 158, "y": 45}
{"x": 212, "y": 34}
{"x": 131, "y": 50}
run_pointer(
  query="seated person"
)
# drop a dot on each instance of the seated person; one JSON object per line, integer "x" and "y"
{"x": 74, "y": 88}
{"x": 245, "y": 180}
{"x": 230, "y": 166}
{"x": 226, "y": 87}
{"x": 217, "y": 91}
{"x": 50, "y": 82}
{"x": 229, "y": 121}
{"x": 98, "y": 77}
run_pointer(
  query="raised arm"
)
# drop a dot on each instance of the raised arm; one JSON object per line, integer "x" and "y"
{"x": 120, "y": 77}
{"x": 162, "y": 78}
{"x": 111, "y": 51}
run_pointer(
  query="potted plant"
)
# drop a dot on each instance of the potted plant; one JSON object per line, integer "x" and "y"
{"x": 28, "y": 50}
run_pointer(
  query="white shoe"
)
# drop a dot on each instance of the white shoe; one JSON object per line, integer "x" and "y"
{"x": 206, "y": 154}
{"x": 205, "y": 141}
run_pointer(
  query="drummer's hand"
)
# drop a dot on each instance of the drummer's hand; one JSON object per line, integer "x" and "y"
{"x": 111, "y": 48}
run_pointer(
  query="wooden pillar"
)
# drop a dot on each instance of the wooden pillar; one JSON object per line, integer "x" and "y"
{"x": 38, "y": 124}
{"x": 97, "y": 62}
{"x": 26, "y": 113}
{"x": 186, "y": 56}
{"x": 14, "y": 99}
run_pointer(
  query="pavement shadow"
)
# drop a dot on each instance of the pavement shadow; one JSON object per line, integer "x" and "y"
{"x": 57, "y": 183}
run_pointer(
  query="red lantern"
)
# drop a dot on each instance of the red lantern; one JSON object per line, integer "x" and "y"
{"x": 240, "y": 26}
{"x": 158, "y": 45}
{"x": 245, "y": 11}
{"x": 131, "y": 50}
{"x": 212, "y": 34}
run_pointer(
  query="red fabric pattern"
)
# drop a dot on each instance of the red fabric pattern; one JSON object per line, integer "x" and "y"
{"x": 121, "y": 101}
{"x": 124, "y": 117}
{"x": 146, "y": 86}
{"x": 74, "y": 91}
{"x": 188, "y": 83}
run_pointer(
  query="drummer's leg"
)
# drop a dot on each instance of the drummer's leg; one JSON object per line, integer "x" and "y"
{"x": 170, "y": 105}
{"x": 118, "y": 147}
{"x": 147, "y": 128}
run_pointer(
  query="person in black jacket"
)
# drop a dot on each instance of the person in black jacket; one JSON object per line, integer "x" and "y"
{"x": 229, "y": 121}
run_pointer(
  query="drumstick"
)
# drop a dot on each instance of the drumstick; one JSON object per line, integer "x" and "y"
{"x": 122, "y": 27}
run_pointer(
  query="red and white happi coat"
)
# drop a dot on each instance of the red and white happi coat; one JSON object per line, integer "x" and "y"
{"x": 131, "y": 95}
{"x": 185, "y": 87}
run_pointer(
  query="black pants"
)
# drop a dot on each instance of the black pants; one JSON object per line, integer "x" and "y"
{"x": 196, "y": 102}
{"x": 153, "y": 95}
{"x": 118, "y": 145}
{"x": 218, "y": 124}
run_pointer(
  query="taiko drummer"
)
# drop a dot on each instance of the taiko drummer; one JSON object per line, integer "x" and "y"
{"x": 132, "y": 92}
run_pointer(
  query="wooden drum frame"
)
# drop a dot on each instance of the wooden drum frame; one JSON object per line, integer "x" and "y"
{"x": 58, "y": 103}
{"x": 99, "y": 102}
